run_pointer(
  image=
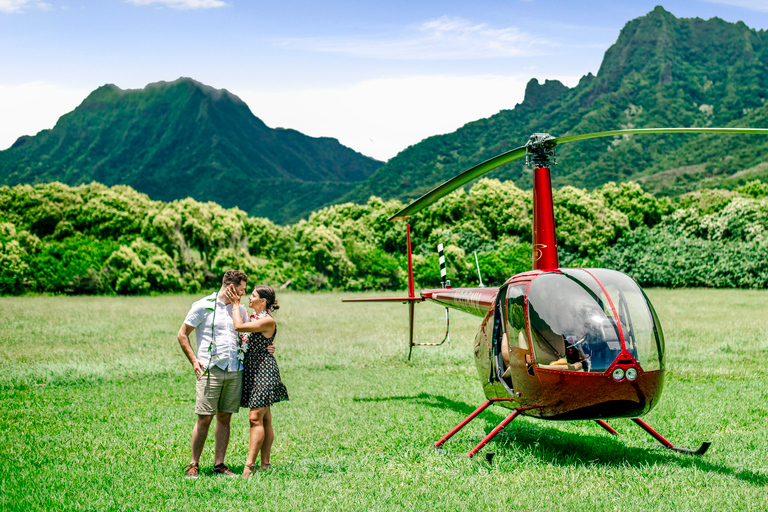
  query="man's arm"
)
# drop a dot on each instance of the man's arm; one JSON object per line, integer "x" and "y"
{"x": 186, "y": 347}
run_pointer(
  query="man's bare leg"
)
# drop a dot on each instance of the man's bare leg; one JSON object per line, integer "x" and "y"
{"x": 199, "y": 435}
{"x": 221, "y": 436}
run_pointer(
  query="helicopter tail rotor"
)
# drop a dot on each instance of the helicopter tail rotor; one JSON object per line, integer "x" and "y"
{"x": 412, "y": 299}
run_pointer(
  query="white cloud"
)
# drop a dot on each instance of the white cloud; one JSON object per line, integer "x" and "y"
{"x": 442, "y": 38}
{"x": 20, "y": 5}
{"x": 380, "y": 118}
{"x": 28, "y": 108}
{"x": 752, "y": 5}
{"x": 182, "y": 4}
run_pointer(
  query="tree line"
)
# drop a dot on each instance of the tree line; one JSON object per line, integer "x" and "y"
{"x": 94, "y": 239}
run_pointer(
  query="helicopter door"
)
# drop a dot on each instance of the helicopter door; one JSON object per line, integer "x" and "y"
{"x": 520, "y": 360}
{"x": 511, "y": 342}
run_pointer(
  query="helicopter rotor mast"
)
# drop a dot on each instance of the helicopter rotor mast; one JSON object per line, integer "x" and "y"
{"x": 540, "y": 150}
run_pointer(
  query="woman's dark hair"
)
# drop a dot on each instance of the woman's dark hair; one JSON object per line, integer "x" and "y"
{"x": 266, "y": 292}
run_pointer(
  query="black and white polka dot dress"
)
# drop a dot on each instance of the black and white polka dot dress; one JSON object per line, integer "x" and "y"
{"x": 262, "y": 386}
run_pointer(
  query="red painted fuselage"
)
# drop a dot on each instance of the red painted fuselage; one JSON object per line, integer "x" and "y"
{"x": 538, "y": 348}
{"x": 564, "y": 343}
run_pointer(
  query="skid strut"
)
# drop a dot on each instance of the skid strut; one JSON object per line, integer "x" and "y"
{"x": 490, "y": 436}
{"x": 664, "y": 443}
{"x": 607, "y": 427}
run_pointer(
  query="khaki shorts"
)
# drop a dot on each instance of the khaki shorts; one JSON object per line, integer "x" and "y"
{"x": 218, "y": 391}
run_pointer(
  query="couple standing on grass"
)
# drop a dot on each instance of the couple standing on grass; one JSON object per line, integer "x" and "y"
{"x": 233, "y": 372}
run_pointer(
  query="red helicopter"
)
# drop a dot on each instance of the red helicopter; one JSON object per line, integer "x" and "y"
{"x": 556, "y": 343}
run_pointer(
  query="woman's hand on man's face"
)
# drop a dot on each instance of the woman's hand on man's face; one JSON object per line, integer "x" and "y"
{"x": 232, "y": 295}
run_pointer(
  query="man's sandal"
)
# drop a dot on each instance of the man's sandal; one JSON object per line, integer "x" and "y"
{"x": 192, "y": 471}
{"x": 222, "y": 469}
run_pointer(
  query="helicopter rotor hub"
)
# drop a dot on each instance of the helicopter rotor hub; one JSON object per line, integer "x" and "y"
{"x": 540, "y": 150}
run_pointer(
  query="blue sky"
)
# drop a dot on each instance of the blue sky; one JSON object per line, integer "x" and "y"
{"x": 377, "y": 75}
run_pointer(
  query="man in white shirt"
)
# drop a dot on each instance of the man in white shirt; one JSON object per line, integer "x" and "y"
{"x": 217, "y": 367}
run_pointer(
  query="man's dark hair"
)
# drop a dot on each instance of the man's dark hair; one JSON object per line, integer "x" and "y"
{"x": 234, "y": 277}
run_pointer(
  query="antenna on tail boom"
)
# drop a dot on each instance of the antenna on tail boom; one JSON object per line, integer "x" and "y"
{"x": 479, "y": 277}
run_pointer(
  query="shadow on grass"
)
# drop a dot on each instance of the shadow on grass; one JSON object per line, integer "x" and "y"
{"x": 553, "y": 446}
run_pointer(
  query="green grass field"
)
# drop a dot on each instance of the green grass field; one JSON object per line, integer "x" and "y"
{"x": 97, "y": 409}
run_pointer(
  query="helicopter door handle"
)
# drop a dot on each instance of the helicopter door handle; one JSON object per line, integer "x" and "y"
{"x": 529, "y": 364}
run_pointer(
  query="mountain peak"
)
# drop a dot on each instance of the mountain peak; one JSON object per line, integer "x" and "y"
{"x": 181, "y": 139}
{"x": 537, "y": 95}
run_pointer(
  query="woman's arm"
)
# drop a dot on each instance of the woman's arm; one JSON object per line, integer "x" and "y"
{"x": 265, "y": 325}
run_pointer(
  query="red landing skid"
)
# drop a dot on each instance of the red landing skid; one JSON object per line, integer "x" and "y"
{"x": 489, "y": 456}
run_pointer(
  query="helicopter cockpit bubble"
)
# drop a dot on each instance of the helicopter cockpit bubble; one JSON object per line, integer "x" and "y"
{"x": 572, "y": 327}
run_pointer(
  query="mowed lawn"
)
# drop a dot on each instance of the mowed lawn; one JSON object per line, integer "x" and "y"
{"x": 97, "y": 409}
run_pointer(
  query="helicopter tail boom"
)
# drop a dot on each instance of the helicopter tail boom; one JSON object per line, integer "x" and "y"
{"x": 475, "y": 301}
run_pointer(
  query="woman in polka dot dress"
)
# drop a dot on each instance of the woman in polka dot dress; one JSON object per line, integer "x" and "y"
{"x": 261, "y": 380}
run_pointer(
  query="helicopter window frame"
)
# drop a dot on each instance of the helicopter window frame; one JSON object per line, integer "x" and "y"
{"x": 522, "y": 329}
{"x": 658, "y": 332}
{"x": 499, "y": 331}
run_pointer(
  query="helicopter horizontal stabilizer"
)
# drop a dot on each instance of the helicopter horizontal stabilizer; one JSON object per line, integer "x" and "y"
{"x": 412, "y": 298}
{"x": 387, "y": 299}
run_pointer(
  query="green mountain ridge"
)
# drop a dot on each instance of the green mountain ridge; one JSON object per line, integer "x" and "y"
{"x": 662, "y": 71}
{"x": 181, "y": 139}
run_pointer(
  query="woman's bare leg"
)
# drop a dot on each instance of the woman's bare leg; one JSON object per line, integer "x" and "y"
{"x": 256, "y": 417}
{"x": 269, "y": 436}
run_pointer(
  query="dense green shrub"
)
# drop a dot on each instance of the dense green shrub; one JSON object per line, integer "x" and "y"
{"x": 96, "y": 239}
{"x": 140, "y": 267}
{"x": 14, "y": 264}
{"x": 663, "y": 256}
{"x": 73, "y": 265}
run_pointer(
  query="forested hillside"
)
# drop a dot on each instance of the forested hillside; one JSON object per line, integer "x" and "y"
{"x": 180, "y": 139}
{"x": 662, "y": 71}
{"x": 183, "y": 139}
{"x": 96, "y": 239}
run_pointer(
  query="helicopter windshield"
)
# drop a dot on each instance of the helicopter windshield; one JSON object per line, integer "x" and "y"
{"x": 642, "y": 332}
{"x": 573, "y": 326}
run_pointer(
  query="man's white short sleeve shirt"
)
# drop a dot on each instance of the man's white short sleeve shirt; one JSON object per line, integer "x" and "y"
{"x": 223, "y": 352}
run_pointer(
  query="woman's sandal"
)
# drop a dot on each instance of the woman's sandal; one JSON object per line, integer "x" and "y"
{"x": 252, "y": 467}
{"x": 265, "y": 467}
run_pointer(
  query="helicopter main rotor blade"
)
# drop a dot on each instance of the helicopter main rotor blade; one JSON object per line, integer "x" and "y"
{"x": 638, "y": 131}
{"x": 458, "y": 181}
{"x": 497, "y": 161}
